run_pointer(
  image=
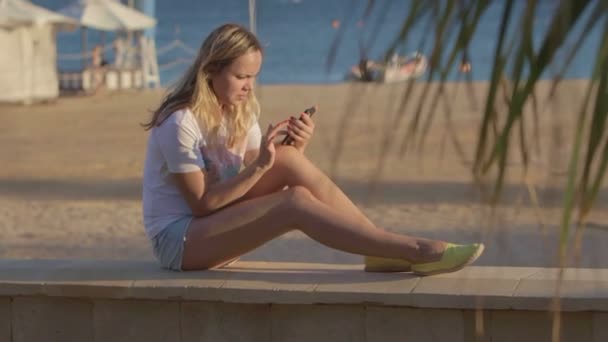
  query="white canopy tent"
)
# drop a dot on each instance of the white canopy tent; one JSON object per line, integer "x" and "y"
{"x": 108, "y": 15}
{"x": 28, "y": 62}
{"x": 14, "y": 12}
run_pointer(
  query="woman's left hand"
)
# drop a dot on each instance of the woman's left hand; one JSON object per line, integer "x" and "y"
{"x": 301, "y": 131}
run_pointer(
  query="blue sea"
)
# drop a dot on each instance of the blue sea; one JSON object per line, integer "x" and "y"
{"x": 298, "y": 36}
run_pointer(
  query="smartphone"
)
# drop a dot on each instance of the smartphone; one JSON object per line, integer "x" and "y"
{"x": 310, "y": 111}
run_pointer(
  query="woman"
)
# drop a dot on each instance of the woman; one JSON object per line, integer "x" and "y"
{"x": 216, "y": 188}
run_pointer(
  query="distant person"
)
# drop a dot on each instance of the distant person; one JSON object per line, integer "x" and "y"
{"x": 216, "y": 187}
{"x": 465, "y": 64}
{"x": 98, "y": 64}
{"x": 364, "y": 70}
{"x": 97, "y": 57}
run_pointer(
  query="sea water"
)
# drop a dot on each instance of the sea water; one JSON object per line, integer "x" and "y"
{"x": 317, "y": 41}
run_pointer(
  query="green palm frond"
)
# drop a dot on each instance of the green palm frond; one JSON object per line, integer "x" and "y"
{"x": 517, "y": 67}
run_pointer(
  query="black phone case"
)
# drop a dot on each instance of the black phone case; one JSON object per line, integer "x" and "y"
{"x": 288, "y": 140}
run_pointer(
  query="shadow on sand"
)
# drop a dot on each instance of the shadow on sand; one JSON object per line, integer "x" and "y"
{"x": 359, "y": 191}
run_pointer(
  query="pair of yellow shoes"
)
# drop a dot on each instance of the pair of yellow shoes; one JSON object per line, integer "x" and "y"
{"x": 454, "y": 258}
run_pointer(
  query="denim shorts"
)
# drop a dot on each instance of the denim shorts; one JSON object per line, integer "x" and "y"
{"x": 168, "y": 245}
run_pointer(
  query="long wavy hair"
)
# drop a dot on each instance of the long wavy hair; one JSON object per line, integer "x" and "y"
{"x": 193, "y": 91}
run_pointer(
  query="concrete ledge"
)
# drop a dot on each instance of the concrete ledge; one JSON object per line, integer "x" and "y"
{"x": 494, "y": 288}
{"x": 94, "y": 300}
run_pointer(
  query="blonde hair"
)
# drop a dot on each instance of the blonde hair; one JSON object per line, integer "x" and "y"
{"x": 225, "y": 44}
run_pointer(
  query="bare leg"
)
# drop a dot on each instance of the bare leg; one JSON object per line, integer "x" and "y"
{"x": 244, "y": 226}
{"x": 292, "y": 168}
{"x": 314, "y": 204}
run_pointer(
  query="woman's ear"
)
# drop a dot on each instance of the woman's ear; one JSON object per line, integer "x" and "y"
{"x": 210, "y": 83}
{"x": 211, "y": 69}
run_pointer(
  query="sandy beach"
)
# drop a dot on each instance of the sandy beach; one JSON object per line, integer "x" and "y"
{"x": 70, "y": 181}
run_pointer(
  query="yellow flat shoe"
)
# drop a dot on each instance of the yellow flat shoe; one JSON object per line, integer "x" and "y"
{"x": 378, "y": 264}
{"x": 454, "y": 258}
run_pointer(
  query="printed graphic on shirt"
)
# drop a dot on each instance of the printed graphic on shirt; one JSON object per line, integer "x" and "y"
{"x": 220, "y": 162}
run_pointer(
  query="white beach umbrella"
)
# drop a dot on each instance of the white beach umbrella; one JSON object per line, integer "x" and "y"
{"x": 108, "y": 15}
{"x": 22, "y": 12}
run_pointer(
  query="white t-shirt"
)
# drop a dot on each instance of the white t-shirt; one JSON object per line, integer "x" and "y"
{"x": 179, "y": 146}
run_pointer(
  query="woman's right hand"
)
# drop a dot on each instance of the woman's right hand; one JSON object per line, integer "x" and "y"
{"x": 267, "y": 150}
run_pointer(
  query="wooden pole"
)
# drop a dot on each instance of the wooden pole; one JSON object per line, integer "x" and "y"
{"x": 83, "y": 44}
{"x": 252, "y": 15}
{"x": 147, "y": 7}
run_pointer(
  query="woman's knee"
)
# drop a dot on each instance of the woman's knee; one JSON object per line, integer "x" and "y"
{"x": 294, "y": 165}
{"x": 287, "y": 157}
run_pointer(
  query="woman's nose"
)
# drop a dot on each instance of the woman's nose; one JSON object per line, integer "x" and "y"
{"x": 248, "y": 85}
